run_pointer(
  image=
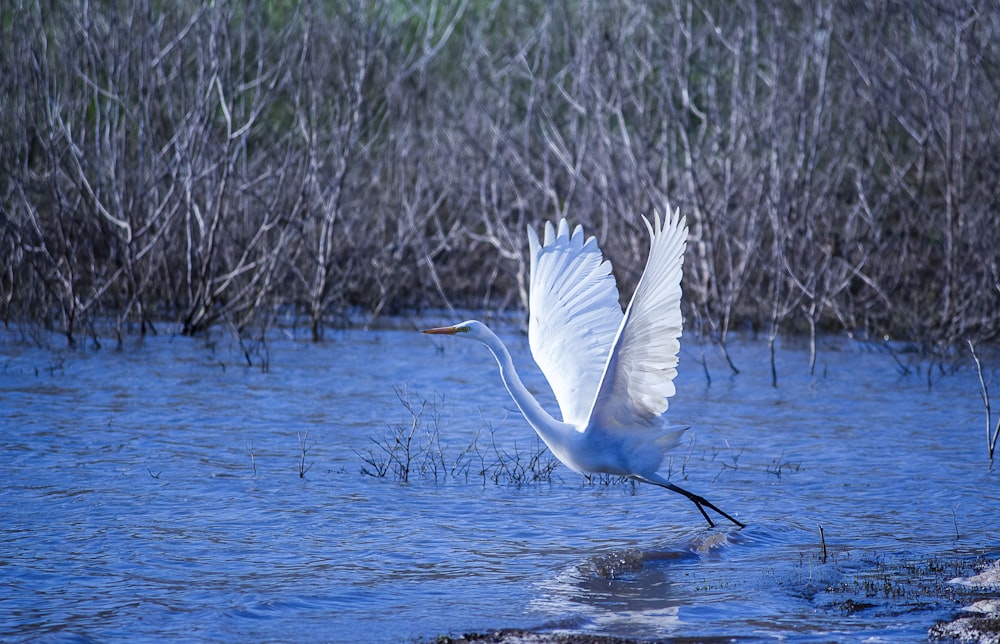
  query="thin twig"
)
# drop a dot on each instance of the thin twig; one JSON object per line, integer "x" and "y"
{"x": 991, "y": 433}
{"x": 303, "y": 448}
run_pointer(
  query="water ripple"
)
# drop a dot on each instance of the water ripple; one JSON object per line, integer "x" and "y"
{"x": 155, "y": 493}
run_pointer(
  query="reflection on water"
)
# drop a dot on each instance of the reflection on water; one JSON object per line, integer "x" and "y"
{"x": 156, "y": 492}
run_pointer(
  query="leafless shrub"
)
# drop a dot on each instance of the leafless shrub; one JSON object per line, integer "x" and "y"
{"x": 225, "y": 163}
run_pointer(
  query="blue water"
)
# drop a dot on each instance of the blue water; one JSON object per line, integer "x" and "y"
{"x": 154, "y": 492}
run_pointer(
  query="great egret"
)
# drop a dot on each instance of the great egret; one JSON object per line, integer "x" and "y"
{"x": 611, "y": 373}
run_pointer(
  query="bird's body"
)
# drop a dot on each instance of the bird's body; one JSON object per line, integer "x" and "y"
{"x": 611, "y": 372}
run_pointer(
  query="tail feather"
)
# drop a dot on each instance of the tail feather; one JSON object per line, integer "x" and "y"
{"x": 670, "y": 437}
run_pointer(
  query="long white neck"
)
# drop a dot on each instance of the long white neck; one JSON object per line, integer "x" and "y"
{"x": 547, "y": 427}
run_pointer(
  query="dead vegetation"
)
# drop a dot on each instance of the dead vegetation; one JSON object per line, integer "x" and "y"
{"x": 413, "y": 448}
{"x": 234, "y": 162}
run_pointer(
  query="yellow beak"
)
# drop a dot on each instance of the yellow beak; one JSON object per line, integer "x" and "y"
{"x": 442, "y": 330}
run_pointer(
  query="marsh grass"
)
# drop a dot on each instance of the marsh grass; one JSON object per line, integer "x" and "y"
{"x": 875, "y": 577}
{"x": 863, "y": 582}
{"x": 414, "y": 448}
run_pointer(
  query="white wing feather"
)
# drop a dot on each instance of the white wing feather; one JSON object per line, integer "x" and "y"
{"x": 640, "y": 371}
{"x": 574, "y": 314}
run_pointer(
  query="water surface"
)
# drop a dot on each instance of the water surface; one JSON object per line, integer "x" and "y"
{"x": 155, "y": 492}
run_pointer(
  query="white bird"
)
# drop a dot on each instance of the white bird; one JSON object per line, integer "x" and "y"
{"x": 611, "y": 373}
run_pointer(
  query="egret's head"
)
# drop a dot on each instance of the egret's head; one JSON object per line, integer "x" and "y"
{"x": 468, "y": 329}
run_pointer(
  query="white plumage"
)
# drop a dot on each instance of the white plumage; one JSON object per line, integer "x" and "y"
{"x": 611, "y": 372}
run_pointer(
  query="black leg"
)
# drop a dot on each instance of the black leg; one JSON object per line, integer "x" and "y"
{"x": 700, "y": 502}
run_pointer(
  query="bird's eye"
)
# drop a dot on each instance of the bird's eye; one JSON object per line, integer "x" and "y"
{"x": 464, "y": 329}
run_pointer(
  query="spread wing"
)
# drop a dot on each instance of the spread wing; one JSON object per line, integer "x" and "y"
{"x": 573, "y": 316}
{"x": 640, "y": 371}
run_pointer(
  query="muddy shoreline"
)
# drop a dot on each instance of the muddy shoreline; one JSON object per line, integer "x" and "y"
{"x": 976, "y": 620}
